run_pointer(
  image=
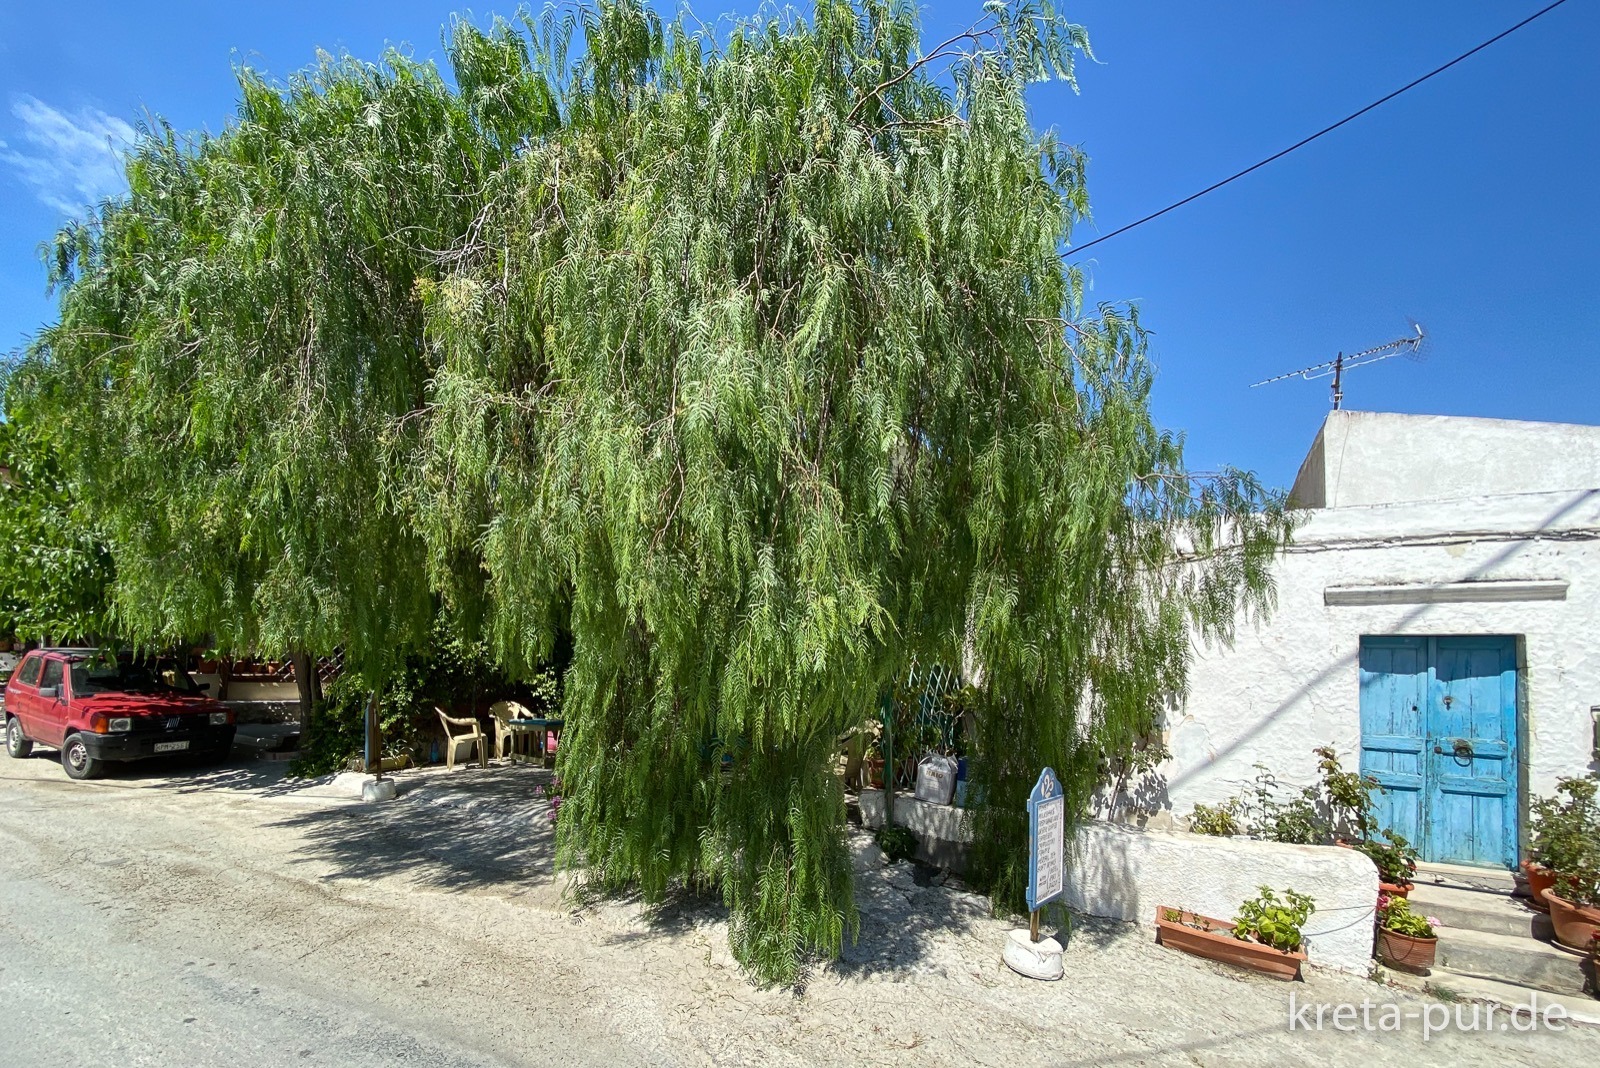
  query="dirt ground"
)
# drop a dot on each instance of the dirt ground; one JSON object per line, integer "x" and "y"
{"x": 228, "y": 916}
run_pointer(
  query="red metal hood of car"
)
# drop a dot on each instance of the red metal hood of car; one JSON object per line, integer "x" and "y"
{"x": 150, "y": 704}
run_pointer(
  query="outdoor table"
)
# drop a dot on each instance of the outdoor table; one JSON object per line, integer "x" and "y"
{"x": 536, "y": 726}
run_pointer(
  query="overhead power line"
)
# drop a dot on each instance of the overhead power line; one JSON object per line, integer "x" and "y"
{"x": 1325, "y": 130}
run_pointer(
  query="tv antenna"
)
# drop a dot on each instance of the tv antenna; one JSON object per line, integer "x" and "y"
{"x": 1348, "y": 361}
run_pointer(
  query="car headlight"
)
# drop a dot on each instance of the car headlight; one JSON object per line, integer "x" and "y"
{"x": 219, "y": 719}
{"x": 119, "y": 723}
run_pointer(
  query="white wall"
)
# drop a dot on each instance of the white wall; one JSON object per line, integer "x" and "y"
{"x": 1291, "y": 683}
{"x": 1127, "y": 874}
{"x": 1362, "y": 458}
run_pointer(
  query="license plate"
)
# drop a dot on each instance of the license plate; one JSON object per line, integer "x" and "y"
{"x": 170, "y": 747}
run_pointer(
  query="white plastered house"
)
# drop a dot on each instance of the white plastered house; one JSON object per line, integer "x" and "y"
{"x": 1437, "y": 622}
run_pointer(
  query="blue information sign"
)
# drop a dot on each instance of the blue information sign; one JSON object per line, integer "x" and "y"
{"x": 1047, "y": 811}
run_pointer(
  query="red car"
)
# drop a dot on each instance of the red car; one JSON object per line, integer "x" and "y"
{"x": 96, "y": 708}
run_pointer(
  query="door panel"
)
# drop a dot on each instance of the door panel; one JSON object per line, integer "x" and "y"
{"x": 52, "y": 711}
{"x": 1471, "y": 751}
{"x": 23, "y": 701}
{"x": 1394, "y": 688}
{"x": 1439, "y": 733}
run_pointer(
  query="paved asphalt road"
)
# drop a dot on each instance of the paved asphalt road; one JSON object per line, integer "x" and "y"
{"x": 138, "y": 927}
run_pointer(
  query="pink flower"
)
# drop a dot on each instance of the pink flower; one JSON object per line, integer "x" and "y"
{"x": 1433, "y": 921}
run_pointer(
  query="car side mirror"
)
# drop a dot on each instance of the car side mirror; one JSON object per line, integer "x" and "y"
{"x": 51, "y": 692}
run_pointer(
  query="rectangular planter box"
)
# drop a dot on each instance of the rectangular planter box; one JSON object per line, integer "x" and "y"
{"x": 1220, "y": 945}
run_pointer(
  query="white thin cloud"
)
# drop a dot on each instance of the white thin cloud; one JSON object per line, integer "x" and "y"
{"x": 69, "y": 159}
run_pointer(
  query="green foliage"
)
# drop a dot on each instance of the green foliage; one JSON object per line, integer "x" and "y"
{"x": 54, "y": 569}
{"x": 749, "y": 361}
{"x": 1340, "y": 805}
{"x": 1347, "y": 796}
{"x": 239, "y": 346}
{"x": 1223, "y": 821}
{"x": 896, "y": 841}
{"x": 1279, "y": 924}
{"x": 1395, "y": 857}
{"x": 447, "y": 671}
{"x": 1394, "y": 914}
{"x": 1566, "y": 837}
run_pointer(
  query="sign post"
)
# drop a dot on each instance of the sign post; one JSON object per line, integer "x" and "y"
{"x": 1026, "y": 953}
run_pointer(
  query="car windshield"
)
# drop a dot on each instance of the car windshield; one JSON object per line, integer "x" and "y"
{"x": 104, "y": 675}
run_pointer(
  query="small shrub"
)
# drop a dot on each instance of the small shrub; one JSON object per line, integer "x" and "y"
{"x": 1566, "y": 838}
{"x": 1221, "y": 821}
{"x": 1279, "y": 924}
{"x": 1395, "y": 858}
{"x": 1348, "y": 796}
{"x": 897, "y": 842}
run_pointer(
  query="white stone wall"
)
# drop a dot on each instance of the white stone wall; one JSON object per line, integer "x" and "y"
{"x": 1127, "y": 874}
{"x": 1291, "y": 683}
{"x": 1362, "y": 458}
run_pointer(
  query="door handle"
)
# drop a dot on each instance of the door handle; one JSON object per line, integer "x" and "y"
{"x": 1461, "y": 750}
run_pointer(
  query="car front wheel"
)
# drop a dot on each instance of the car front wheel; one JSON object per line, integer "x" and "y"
{"x": 76, "y": 760}
{"x": 17, "y": 744}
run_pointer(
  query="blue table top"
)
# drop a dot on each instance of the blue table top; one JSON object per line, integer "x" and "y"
{"x": 534, "y": 722}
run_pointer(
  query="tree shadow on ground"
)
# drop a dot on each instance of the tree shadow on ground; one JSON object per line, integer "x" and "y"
{"x": 184, "y": 774}
{"x": 473, "y": 829}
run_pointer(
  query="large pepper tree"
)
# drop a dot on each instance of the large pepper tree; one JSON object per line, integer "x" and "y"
{"x": 746, "y": 357}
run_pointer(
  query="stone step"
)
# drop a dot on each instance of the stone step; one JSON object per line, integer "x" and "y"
{"x": 1462, "y": 877}
{"x": 1475, "y": 910}
{"x": 1456, "y": 986}
{"x": 1511, "y": 959}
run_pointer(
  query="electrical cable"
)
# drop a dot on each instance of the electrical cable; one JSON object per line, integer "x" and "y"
{"x": 1325, "y": 130}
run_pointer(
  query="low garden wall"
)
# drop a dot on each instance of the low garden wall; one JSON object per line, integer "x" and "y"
{"x": 941, "y": 839}
{"x": 1126, "y": 874}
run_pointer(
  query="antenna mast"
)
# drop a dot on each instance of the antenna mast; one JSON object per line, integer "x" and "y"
{"x": 1336, "y": 367}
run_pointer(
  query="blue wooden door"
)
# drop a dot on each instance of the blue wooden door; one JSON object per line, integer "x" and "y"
{"x": 1439, "y": 733}
{"x": 1394, "y": 695}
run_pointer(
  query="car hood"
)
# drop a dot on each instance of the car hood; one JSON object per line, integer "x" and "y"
{"x": 150, "y": 704}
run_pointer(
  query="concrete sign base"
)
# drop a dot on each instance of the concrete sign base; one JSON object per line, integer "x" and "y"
{"x": 1036, "y": 960}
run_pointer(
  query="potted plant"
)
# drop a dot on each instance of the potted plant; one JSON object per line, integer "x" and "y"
{"x": 1396, "y": 861}
{"x": 1575, "y": 903}
{"x": 1566, "y": 829}
{"x": 1267, "y": 936}
{"x": 1405, "y": 939}
{"x": 874, "y": 763}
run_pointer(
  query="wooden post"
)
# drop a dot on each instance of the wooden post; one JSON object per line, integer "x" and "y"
{"x": 1033, "y": 925}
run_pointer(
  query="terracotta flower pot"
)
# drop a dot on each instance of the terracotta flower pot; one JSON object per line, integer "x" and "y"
{"x": 875, "y": 773}
{"x": 1396, "y": 889}
{"x": 1406, "y": 951}
{"x": 1217, "y": 943}
{"x": 1576, "y": 925}
{"x": 1540, "y": 879}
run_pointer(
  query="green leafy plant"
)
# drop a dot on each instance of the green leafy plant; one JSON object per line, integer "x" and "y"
{"x": 1565, "y": 829}
{"x": 1395, "y": 914}
{"x": 896, "y": 841}
{"x": 1347, "y": 795}
{"x": 55, "y": 569}
{"x": 1223, "y": 820}
{"x": 1275, "y": 923}
{"x": 1395, "y": 857}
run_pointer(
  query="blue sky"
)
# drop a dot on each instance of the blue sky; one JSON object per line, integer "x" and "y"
{"x": 1471, "y": 203}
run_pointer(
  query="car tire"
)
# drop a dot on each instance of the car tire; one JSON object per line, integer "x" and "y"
{"x": 17, "y": 744}
{"x": 77, "y": 762}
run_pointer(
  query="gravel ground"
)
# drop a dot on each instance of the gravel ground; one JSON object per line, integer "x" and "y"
{"x": 173, "y": 917}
